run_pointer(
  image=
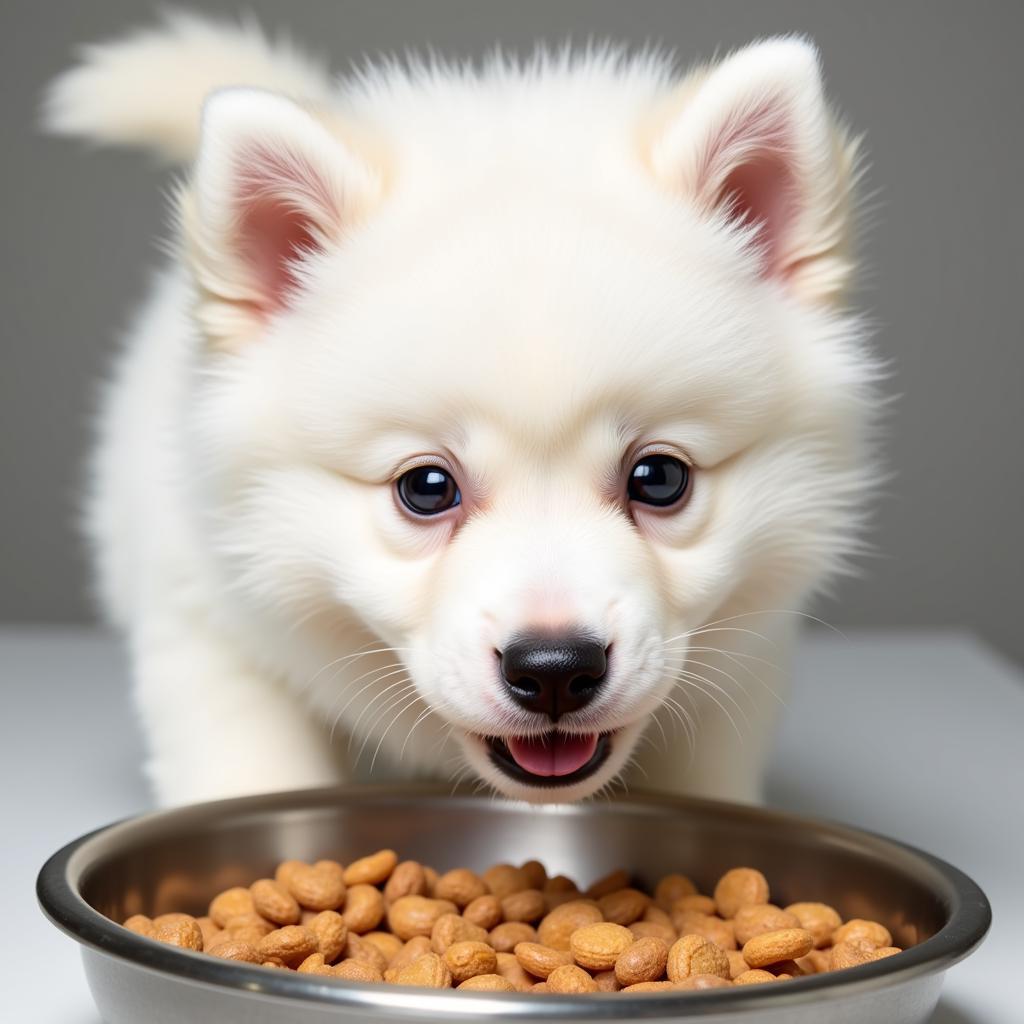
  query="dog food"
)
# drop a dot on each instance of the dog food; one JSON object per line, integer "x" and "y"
{"x": 514, "y": 929}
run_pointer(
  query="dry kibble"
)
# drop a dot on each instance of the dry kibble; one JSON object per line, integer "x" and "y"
{"x": 461, "y": 886}
{"x": 540, "y": 960}
{"x": 693, "y": 954}
{"x": 331, "y": 933}
{"x": 819, "y": 919}
{"x": 230, "y": 903}
{"x": 570, "y": 980}
{"x": 290, "y": 944}
{"x": 364, "y": 908}
{"x": 451, "y": 928}
{"x": 771, "y": 947}
{"x": 512, "y": 971}
{"x": 672, "y": 888}
{"x": 753, "y": 977}
{"x": 504, "y": 879}
{"x": 859, "y": 930}
{"x": 429, "y": 971}
{"x": 271, "y": 900}
{"x": 486, "y": 983}
{"x": 526, "y": 905}
{"x": 244, "y": 952}
{"x": 611, "y": 882}
{"x": 739, "y": 887}
{"x": 598, "y": 946}
{"x": 514, "y": 929}
{"x": 372, "y": 870}
{"x": 624, "y": 906}
{"x": 643, "y": 960}
{"x": 408, "y": 879}
{"x": 468, "y": 959}
{"x": 757, "y": 918}
{"x": 484, "y": 911}
{"x": 505, "y": 937}
{"x": 416, "y": 915}
{"x": 555, "y": 929}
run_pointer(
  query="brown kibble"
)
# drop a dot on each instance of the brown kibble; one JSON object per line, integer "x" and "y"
{"x": 211, "y": 933}
{"x": 885, "y": 951}
{"x": 526, "y": 905}
{"x": 230, "y": 903}
{"x": 643, "y": 960}
{"x": 315, "y": 964}
{"x": 737, "y": 965}
{"x": 758, "y": 918}
{"x": 180, "y": 930}
{"x": 540, "y": 960}
{"x": 412, "y": 950}
{"x": 771, "y": 947}
{"x": 721, "y": 933}
{"x": 555, "y": 929}
{"x": 858, "y": 930}
{"x": 739, "y": 887}
{"x": 540, "y": 987}
{"x": 356, "y": 970}
{"x": 248, "y": 924}
{"x": 451, "y": 928}
{"x": 819, "y": 919}
{"x": 606, "y": 981}
{"x": 512, "y": 971}
{"x": 649, "y": 929}
{"x": 284, "y": 870}
{"x": 331, "y": 933}
{"x": 461, "y": 886}
{"x": 484, "y": 911}
{"x": 357, "y": 948}
{"x": 504, "y": 879}
{"x": 536, "y": 874}
{"x": 389, "y": 945}
{"x": 598, "y": 946}
{"x": 505, "y": 937}
{"x": 560, "y": 883}
{"x": 624, "y": 906}
{"x": 468, "y": 959}
{"x": 429, "y": 971}
{"x": 672, "y": 888}
{"x": 753, "y": 977}
{"x": 141, "y": 925}
{"x": 694, "y": 954}
{"x": 244, "y": 952}
{"x": 570, "y": 980}
{"x": 695, "y": 903}
{"x": 290, "y": 944}
{"x": 371, "y": 870}
{"x": 611, "y": 882}
{"x": 850, "y": 954}
{"x": 818, "y": 961}
{"x": 316, "y": 887}
{"x": 274, "y": 963}
{"x": 486, "y": 983}
{"x": 703, "y": 981}
{"x": 364, "y": 908}
{"x": 416, "y": 915}
{"x": 408, "y": 879}
{"x": 272, "y": 901}
{"x": 650, "y": 986}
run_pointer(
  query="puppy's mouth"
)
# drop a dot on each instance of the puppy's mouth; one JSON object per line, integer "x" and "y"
{"x": 553, "y": 759}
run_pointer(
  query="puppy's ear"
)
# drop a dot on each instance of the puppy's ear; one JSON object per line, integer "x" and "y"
{"x": 274, "y": 190}
{"x": 752, "y": 142}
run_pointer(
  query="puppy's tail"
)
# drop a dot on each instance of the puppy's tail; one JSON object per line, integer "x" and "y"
{"x": 147, "y": 89}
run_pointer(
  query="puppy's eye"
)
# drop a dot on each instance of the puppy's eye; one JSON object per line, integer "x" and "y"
{"x": 427, "y": 490}
{"x": 659, "y": 480}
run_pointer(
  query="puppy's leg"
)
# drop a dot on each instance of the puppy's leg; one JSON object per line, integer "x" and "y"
{"x": 740, "y": 683}
{"x": 215, "y": 727}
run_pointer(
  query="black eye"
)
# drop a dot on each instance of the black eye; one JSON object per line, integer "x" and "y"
{"x": 427, "y": 490}
{"x": 658, "y": 480}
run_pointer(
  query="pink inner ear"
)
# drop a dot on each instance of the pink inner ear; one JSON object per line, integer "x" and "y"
{"x": 284, "y": 211}
{"x": 760, "y": 191}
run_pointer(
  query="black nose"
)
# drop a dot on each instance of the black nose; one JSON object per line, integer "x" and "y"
{"x": 553, "y": 674}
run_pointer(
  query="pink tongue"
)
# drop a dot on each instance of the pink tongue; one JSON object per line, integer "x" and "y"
{"x": 553, "y": 754}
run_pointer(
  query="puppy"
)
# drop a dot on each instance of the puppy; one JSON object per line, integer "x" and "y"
{"x": 487, "y": 422}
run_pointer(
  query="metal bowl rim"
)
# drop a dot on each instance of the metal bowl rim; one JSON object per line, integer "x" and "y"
{"x": 57, "y": 890}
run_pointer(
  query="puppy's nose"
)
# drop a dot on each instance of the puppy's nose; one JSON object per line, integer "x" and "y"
{"x": 553, "y": 674}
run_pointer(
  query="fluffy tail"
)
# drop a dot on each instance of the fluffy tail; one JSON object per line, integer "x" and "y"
{"x": 147, "y": 89}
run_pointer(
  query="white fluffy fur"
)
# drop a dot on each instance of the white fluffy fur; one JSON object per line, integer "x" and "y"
{"x": 530, "y": 271}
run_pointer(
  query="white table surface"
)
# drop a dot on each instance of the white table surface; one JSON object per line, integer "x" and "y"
{"x": 917, "y": 735}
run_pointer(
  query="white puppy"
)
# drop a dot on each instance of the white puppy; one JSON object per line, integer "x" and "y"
{"x": 487, "y": 419}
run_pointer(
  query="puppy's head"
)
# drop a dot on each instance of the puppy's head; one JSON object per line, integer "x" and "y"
{"x": 528, "y": 377}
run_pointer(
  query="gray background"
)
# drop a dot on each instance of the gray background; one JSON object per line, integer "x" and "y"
{"x": 935, "y": 85}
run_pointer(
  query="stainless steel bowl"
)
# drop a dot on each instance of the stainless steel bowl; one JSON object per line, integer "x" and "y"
{"x": 177, "y": 860}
